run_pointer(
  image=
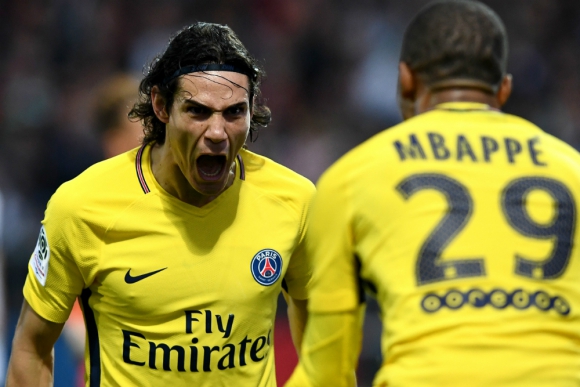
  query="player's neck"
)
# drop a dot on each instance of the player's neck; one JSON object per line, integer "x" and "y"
{"x": 430, "y": 99}
{"x": 171, "y": 179}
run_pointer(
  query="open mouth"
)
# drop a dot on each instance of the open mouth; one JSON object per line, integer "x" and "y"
{"x": 211, "y": 167}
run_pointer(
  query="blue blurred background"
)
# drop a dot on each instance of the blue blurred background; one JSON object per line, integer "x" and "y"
{"x": 331, "y": 78}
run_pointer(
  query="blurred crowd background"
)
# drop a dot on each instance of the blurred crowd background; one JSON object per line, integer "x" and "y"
{"x": 331, "y": 79}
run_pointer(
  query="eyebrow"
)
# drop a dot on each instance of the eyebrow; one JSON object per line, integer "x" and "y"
{"x": 193, "y": 102}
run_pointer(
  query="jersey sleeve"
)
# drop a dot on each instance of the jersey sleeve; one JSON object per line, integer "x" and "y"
{"x": 54, "y": 279}
{"x": 299, "y": 271}
{"x": 329, "y": 246}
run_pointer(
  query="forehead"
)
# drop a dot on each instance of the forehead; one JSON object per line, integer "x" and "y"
{"x": 214, "y": 88}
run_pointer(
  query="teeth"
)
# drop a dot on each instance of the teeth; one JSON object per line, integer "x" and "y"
{"x": 211, "y": 174}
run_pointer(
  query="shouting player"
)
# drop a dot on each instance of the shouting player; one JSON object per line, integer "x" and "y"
{"x": 179, "y": 249}
{"x": 462, "y": 221}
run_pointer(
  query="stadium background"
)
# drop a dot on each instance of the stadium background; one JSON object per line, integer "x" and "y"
{"x": 331, "y": 65}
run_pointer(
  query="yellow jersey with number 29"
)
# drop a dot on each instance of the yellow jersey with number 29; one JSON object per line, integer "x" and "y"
{"x": 463, "y": 222}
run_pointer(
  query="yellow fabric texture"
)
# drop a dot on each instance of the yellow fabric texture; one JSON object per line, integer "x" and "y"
{"x": 169, "y": 286}
{"x": 330, "y": 350}
{"x": 463, "y": 222}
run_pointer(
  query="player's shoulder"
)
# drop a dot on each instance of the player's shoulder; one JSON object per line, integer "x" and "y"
{"x": 561, "y": 155}
{"x": 554, "y": 150}
{"x": 272, "y": 178}
{"x": 560, "y": 147}
{"x": 98, "y": 184}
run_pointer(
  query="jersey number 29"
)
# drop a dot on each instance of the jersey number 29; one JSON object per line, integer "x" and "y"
{"x": 560, "y": 229}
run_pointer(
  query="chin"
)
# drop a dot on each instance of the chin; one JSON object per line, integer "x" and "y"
{"x": 213, "y": 188}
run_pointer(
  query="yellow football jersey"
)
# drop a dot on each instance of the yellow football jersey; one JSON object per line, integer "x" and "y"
{"x": 172, "y": 294}
{"x": 463, "y": 222}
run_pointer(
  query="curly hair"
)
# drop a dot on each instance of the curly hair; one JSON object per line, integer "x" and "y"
{"x": 197, "y": 44}
{"x": 456, "y": 39}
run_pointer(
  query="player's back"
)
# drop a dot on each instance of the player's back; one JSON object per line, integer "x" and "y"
{"x": 464, "y": 219}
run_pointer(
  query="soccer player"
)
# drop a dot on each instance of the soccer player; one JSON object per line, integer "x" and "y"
{"x": 462, "y": 220}
{"x": 179, "y": 249}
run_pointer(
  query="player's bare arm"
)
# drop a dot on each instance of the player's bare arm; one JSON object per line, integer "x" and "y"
{"x": 31, "y": 363}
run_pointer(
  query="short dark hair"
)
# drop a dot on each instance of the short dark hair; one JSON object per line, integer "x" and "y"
{"x": 197, "y": 44}
{"x": 456, "y": 39}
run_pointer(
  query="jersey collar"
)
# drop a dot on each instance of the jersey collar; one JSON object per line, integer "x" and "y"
{"x": 143, "y": 158}
{"x": 465, "y": 107}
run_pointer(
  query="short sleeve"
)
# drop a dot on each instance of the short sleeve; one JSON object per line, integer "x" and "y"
{"x": 54, "y": 279}
{"x": 329, "y": 246}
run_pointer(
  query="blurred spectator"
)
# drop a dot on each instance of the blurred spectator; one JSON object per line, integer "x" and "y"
{"x": 114, "y": 99}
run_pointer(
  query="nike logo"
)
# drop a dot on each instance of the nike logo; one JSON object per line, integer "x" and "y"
{"x": 131, "y": 280}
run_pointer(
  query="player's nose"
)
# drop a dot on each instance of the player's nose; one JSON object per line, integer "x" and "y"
{"x": 216, "y": 131}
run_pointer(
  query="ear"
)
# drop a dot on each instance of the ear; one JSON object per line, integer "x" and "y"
{"x": 505, "y": 90}
{"x": 406, "y": 91}
{"x": 158, "y": 103}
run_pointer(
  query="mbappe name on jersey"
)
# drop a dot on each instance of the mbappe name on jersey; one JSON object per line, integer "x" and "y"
{"x": 485, "y": 149}
{"x": 139, "y": 351}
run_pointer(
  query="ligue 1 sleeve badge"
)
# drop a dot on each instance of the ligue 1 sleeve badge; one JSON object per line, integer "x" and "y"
{"x": 266, "y": 266}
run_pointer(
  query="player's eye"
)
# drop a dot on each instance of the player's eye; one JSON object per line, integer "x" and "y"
{"x": 197, "y": 110}
{"x": 235, "y": 111}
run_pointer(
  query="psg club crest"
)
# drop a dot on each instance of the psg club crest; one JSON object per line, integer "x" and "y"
{"x": 266, "y": 266}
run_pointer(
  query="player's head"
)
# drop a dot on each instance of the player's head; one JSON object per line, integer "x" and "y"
{"x": 454, "y": 44}
{"x": 196, "y": 45}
